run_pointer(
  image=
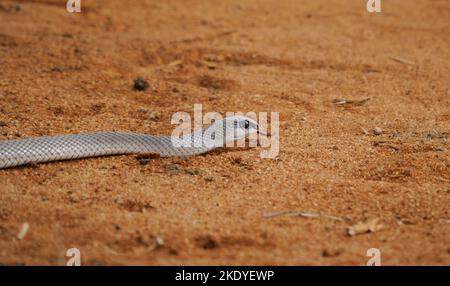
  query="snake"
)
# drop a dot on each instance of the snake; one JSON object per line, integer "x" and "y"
{"x": 34, "y": 150}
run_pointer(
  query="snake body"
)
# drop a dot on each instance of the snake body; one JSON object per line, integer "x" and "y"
{"x": 75, "y": 146}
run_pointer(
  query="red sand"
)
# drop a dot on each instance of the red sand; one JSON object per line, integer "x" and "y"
{"x": 67, "y": 73}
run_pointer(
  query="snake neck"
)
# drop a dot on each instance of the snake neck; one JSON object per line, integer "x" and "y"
{"x": 213, "y": 136}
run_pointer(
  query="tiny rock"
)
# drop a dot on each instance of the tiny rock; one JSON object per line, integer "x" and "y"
{"x": 209, "y": 179}
{"x": 140, "y": 84}
{"x": 159, "y": 242}
{"x": 377, "y": 131}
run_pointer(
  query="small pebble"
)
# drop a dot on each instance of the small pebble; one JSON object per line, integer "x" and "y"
{"x": 209, "y": 179}
{"x": 2, "y": 124}
{"x": 154, "y": 116}
{"x": 140, "y": 84}
{"x": 237, "y": 160}
{"x": 377, "y": 131}
{"x": 144, "y": 161}
{"x": 159, "y": 241}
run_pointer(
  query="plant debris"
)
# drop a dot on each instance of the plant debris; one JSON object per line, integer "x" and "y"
{"x": 192, "y": 172}
{"x": 23, "y": 231}
{"x": 301, "y": 214}
{"x": 370, "y": 225}
{"x": 347, "y": 102}
{"x": 402, "y": 60}
{"x": 175, "y": 63}
{"x": 154, "y": 116}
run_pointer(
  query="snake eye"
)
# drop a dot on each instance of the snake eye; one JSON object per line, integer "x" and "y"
{"x": 246, "y": 124}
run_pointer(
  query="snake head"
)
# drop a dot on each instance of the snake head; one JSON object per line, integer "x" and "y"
{"x": 241, "y": 125}
{"x": 229, "y": 129}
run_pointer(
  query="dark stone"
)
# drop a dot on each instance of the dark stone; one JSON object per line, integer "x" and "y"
{"x": 140, "y": 84}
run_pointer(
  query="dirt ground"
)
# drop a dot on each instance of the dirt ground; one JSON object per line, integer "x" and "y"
{"x": 314, "y": 62}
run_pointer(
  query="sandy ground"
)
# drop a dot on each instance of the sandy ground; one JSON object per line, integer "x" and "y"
{"x": 68, "y": 73}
